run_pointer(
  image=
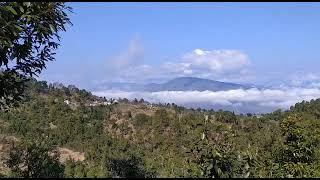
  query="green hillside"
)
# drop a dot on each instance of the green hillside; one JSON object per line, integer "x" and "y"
{"x": 67, "y": 132}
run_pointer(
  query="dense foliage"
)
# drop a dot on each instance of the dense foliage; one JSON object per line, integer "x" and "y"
{"x": 29, "y": 36}
{"x": 139, "y": 139}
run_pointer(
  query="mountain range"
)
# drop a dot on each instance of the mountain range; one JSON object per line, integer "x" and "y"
{"x": 177, "y": 84}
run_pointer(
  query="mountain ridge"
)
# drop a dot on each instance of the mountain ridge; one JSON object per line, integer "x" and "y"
{"x": 176, "y": 84}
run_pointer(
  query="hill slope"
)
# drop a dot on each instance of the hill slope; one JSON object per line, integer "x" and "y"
{"x": 139, "y": 139}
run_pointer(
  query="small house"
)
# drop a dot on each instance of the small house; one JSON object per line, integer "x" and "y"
{"x": 66, "y": 101}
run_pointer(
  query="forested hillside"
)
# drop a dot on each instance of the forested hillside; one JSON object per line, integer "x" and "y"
{"x": 62, "y": 131}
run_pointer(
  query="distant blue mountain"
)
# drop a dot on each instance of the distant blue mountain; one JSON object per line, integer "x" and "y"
{"x": 193, "y": 84}
{"x": 177, "y": 84}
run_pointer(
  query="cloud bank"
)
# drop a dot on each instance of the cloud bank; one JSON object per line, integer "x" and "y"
{"x": 239, "y": 100}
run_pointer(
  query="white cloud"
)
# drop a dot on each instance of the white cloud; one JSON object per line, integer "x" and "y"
{"x": 135, "y": 73}
{"x": 126, "y": 66}
{"x": 304, "y": 79}
{"x": 176, "y": 69}
{"x": 251, "y": 100}
{"x": 130, "y": 56}
{"x": 214, "y": 64}
{"x": 315, "y": 84}
{"x": 295, "y": 79}
{"x": 217, "y": 61}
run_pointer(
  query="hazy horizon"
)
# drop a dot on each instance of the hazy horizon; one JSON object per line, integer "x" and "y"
{"x": 274, "y": 45}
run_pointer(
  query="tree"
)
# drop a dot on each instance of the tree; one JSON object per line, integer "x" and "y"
{"x": 297, "y": 148}
{"x": 125, "y": 100}
{"x": 33, "y": 159}
{"x": 28, "y": 38}
{"x": 141, "y": 100}
{"x": 128, "y": 114}
{"x": 298, "y": 151}
{"x": 79, "y": 171}
{"x": 142, "y": 119}
{"x": 226, "y": 116}
{"x": 211, "y": 163}
{"x": 69, "y": 168}
{"x": 132, "y": 167}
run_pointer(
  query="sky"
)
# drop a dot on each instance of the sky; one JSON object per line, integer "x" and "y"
{"x": 274, "y": 44}
{"x": 278, "y": 40}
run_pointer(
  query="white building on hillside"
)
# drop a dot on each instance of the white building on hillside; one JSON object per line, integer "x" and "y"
{"x": 66, "y": 101}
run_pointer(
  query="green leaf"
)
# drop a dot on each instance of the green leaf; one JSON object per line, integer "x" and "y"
{"x": 23, "y": 16}
{"x": 9, "y": 8}
{"x": 18, "y": 27}
{"x": 21, "y": 9}
{"x": 28, "y": 4}
{"x": 28, "y": 18}
{"x": 52, "y": 28}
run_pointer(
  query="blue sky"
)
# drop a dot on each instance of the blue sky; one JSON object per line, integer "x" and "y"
{"x": 141, "y": 42}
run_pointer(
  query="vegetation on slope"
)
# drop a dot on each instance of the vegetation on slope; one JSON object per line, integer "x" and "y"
{"x": 139, "y": 139}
